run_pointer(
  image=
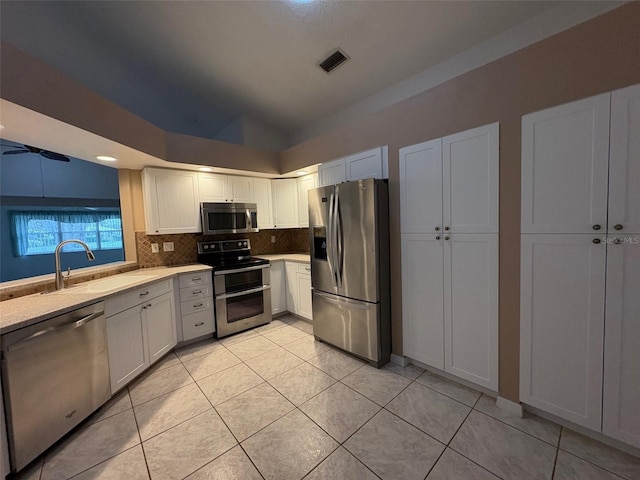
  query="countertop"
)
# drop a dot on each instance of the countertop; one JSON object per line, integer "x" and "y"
{"x": 289, "y": 257}
{"x": 24, "y": 311}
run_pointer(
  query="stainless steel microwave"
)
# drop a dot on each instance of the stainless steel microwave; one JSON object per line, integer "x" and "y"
{"x": 229, "y": 218}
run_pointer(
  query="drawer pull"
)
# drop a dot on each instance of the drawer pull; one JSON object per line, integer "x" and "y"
{"x": 196, "y": 279}
{"x": 199, "y": 324}
{"x": 144, "y": 294}
{"x": 308, "y": 269}
{"x": 197, "y": 292}
{"x": 197, "y": 305}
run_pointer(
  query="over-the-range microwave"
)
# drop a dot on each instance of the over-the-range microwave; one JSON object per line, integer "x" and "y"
{"x": 229, "y": 218}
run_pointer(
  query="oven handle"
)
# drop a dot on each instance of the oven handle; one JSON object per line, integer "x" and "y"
{"x": 244, "y": 292}
{"x": 239, "y": 270}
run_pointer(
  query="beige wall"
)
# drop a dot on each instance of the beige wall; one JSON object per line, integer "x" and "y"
{"x": 594, "y": 57}
{"x": 132, "y": 208}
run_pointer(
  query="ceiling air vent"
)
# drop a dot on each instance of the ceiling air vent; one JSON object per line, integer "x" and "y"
{"x": 333, "y": 61}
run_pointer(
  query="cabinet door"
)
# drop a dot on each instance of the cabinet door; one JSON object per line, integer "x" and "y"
{"x": 262, "y": 196}
{"x": 367, "y": 164}
{"x": 241, "y": 189}
{"x": 171, "y": 201}
{"x": 293, "y": 295}
{"x": 470, "y": 180}
{"x": 422, "y": 299}
{"x": 421, "y": 187}
{"x": 332, "y": 173}
{"x": 306, "y": 183}
{"x": 278, "y": 288}
{"x": 624, "y": 161}
{"x": 125, "y": 343}
{"x": 160, "y": 326}
{"x": 621, "y": 397}
{"x": 562, "y": 326}
{"x": 565, "y": 153}
{"x": 304, "y": 293}
{"x": 285, "y": 203}
{"x": 4, "y": 445}
{"x": 213, "y": 187}
{"x": 471, "y": 307}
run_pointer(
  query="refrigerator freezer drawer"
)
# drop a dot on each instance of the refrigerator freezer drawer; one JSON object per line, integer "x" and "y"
{"x": 351, "y": 325}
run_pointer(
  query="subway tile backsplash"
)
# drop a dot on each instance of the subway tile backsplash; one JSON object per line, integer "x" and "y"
{"x": 292, "y": 240}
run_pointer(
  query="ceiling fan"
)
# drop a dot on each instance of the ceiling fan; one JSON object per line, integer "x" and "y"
{"x": 29, "y": 149}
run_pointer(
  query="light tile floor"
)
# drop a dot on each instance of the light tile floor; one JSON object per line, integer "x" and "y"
{"x": 273, "y": 403}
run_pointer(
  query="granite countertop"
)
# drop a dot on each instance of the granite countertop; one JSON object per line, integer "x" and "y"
{"x": 289, "y": 257}
{"x": 24, "y": 311}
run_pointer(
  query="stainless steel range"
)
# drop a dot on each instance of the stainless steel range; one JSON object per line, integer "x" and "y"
{"x": 241, "y": 285}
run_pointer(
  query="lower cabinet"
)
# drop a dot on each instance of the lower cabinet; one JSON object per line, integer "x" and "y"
{"x": 450, "y": 304}
{"x": 298, "y": 295}
{"x": 196, "y": 309}
{"x": 4, "y": 446}
{"x": 278, "y": 287}
{"x": 138, "y": 335}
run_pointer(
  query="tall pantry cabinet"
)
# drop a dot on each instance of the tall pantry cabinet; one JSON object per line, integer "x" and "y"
{"x": 580, "y": 267}
{"x": 449, "y": 230}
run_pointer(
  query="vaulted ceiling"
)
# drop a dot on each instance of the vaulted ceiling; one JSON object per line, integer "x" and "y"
{"x": 196, "y": 67}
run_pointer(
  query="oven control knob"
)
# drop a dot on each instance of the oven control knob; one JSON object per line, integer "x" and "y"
{"x": 244, "y": 244}
{"x": 206, "y": 247}
{"x": 239, "y": 244}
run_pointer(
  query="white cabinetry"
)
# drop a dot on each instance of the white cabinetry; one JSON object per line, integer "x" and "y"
{"x": 278, "y": 287}
{"x": 140, "y": 329}
{"x": 373, "y": 163}
{"x": 285, "y": 203}
{"x": 305, "y": 184}
{"x": 213, "y": 187}
{"x": 580, "y": 276}
{"x": 263, "y": 199}
{"x": 299, "y": 289}
{"x": 449, "y": 227}
{"x": 4, "y": 446}
{"x": 240, "y": 189}
{"x": 171, "y": 201}
{"x": 196, "y": 305}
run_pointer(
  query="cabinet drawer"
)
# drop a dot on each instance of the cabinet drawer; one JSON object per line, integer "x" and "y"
{"x": 195, "y": 279}
{"x": 304, "y": 268}
{"x": 196, "y": 305}
{"x": 201, "y": 291}
{"x": 197, "y": 324}
{"x": 122, "y": 302}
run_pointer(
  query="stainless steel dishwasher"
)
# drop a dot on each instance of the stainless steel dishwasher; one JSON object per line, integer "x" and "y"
{"x": 54, "y": 374}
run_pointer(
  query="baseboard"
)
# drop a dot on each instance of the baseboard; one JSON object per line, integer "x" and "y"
{"x": 509, "y": 406}
{"x": 398, "y": 360}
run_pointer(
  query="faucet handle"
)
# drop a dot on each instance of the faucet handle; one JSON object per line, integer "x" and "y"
{"x": 65, "y": 277}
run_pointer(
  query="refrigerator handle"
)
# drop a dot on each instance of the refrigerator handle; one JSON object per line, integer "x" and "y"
{"x": 330, "y": 246}
{"x": 341, "y": 301}
{"x": 338, "y": 236}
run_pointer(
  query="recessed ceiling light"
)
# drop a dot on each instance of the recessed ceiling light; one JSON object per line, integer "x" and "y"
{"x": 301, "y": 172}
{"x": 106, "y": 158}
{"x": 206, "y": 169}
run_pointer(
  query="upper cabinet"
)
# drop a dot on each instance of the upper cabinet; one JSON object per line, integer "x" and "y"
{"x": 263, "y": 198}
{"x": 373, "y": 163}
{"x": 565, "y": 156}
{"x": 285, "y": 203}
{"x": 172, "y": 202}
{"x": 451, "y": 183}
{"x": 215, "y": 187}
{"x": 306, "y": 183}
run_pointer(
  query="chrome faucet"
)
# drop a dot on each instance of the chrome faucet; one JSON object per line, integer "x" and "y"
{"x": 59, "y": 278}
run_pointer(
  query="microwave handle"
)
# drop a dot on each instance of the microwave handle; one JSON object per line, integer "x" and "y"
{"x": 248, "y": 214}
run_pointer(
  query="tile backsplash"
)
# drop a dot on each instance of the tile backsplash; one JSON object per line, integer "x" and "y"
{"x": 292, "y": 240}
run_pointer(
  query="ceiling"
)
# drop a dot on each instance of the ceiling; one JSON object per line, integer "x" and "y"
{"x": 194, "y": 67}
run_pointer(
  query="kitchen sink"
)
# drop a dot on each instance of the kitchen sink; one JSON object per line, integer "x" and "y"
{"x": 106, "y": 284}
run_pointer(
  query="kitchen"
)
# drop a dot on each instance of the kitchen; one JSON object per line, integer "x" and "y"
{"x": 489, "y": 96}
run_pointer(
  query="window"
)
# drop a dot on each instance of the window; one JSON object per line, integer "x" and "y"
{"x": 39, "y": 232}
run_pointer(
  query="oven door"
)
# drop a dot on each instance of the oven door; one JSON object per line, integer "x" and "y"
{"x": 243, "y": 299}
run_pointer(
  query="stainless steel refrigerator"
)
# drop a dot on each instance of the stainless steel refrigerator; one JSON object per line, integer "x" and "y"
{"x": 349, "y": 234}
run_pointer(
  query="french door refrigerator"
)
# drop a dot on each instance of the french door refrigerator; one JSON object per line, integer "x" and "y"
{"x": 349, "y": 234}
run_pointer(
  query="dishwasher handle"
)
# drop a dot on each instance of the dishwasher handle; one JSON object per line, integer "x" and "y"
{"x": 45, "y": 332}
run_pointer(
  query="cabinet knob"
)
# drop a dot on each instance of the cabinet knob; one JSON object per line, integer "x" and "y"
{"x": 446, "y": 228}
{"x": 437, "y": 229}
{"x": 446, "y": 238}
{"x": 596, "y": 227}
{"x": 618, "y": 226}
{"x": 437, "y": 237}
{"x": 596, "y": 240}
{"x": 617, "y": 241}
